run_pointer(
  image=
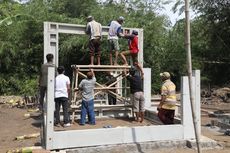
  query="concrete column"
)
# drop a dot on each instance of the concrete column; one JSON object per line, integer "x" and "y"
{"x": 187, "y": 119}
{"x": 196, "y": 74}
{"x": 49, "y": 113}
{"x": 140, "y": 45}
{"x": 51, "y": 41}
{"x": 147, "y": 87}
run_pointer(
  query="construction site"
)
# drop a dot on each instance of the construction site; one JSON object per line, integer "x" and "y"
{"x": 115, "y": 129}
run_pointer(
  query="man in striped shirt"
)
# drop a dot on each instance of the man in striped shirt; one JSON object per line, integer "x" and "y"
{"x": 167, "y": 106}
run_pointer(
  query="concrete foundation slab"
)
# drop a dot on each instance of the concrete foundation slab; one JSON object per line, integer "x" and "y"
{"x": 146, "y": 147}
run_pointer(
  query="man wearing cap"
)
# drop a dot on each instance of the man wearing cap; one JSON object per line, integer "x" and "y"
{"x": 137, "y": 95}
{"x": 62, "y": 90}
{"x": 167, "y": 106}
{"x": 133, "y": 50}
{"x": 87, "y": 106}
{"x": 94, "y": 30}
{"x": 113, "y": 34}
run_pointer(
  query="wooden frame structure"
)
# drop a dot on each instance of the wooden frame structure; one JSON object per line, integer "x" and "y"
{"x": 101, "y": 104}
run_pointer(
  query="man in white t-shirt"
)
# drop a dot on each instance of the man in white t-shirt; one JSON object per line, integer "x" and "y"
{"x": 62, "y": 90}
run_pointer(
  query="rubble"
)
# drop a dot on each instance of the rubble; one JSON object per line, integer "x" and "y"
{"x": 20, "y": 101}
{"x": 29, "y": 136}
{"x": 227, "y": 132}
{"x": 215, "y": 96}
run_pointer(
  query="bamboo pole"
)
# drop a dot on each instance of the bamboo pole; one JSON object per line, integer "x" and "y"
{"x": 76, "y": 85}
{"x": 189, "y": 69}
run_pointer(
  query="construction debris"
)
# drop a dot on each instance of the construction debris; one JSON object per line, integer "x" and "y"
{"x": 33, "y": 110}
{"x": 227, "y": 132}
{"x": 35, "y": 135}
{"x": 25, "y": 150}
{"x": 215, "y": 96}
{"x": 19, "y": 101}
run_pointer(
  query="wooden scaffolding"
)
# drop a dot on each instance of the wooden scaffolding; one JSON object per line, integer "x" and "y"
{"x": 102, "y": 90}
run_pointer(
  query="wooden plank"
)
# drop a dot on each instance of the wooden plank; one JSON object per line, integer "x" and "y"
{"x": 102, "y": 66}
{"x": 104, "y": 106}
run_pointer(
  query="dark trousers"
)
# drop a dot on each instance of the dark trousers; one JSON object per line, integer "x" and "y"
{"x": 62, "y": 101}
{"x": 166, "y": 116}
{"x": 112, "y": 100}
{"x": 42, "y": 93}
{"x": 87, "y": 107}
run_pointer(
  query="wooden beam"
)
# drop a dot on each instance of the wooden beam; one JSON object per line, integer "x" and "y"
{"x": 101, "y": 66}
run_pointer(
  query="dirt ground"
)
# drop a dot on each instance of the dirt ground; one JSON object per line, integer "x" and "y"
{"x": 14, "y": 123}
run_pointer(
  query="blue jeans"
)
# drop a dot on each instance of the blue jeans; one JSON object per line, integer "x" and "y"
{"x": 87, "y": 107}
{"x": 62, "y": 101}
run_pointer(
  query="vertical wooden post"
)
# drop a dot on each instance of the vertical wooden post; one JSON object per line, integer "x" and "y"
{"x": 189, "y": 67}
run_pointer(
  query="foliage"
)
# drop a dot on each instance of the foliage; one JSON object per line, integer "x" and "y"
{"x": 21, "y": 41}
{"x": 210, "y": 39}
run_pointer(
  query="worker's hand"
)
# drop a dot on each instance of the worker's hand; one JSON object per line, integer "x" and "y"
{"x": 159, "y": 106}
{"x": 121, "y": 35}
{"x": 91, "y": 69}
{"x": 142, "y": 75}
{"x": 123, "y": 73}
{"x": 76, "y": 89}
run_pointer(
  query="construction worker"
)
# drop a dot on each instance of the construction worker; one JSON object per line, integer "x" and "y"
{"x": 94, "y": 30}
{"x": 87, "y": 106}
{"x": 133, "y": 50}
{"x": 137, "y": 94}
{"x": 62, "y": 91}
{"x": 43, "y": 79}
{"x": 113, "y": 35}
{"x": 167, "y": 106}
{"x": 111, "y": 79}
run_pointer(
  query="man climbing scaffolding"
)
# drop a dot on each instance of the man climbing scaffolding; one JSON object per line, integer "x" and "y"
{"x": 133, "y": 50}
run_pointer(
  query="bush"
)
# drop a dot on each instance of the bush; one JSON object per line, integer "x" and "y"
{"x": 14, "y": 85}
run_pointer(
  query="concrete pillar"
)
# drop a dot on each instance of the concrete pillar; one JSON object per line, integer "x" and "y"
{"x": 147, "y": 87}
{"x": 187, "y": 119}
{"x": 49, "y": 112}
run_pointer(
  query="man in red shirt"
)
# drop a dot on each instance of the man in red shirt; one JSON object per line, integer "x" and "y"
{"x": 133, "y": 50}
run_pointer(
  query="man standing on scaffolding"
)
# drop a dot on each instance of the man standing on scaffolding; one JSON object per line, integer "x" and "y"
{"x": 94, "y": 30}
{"x": 113, "y": 35}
